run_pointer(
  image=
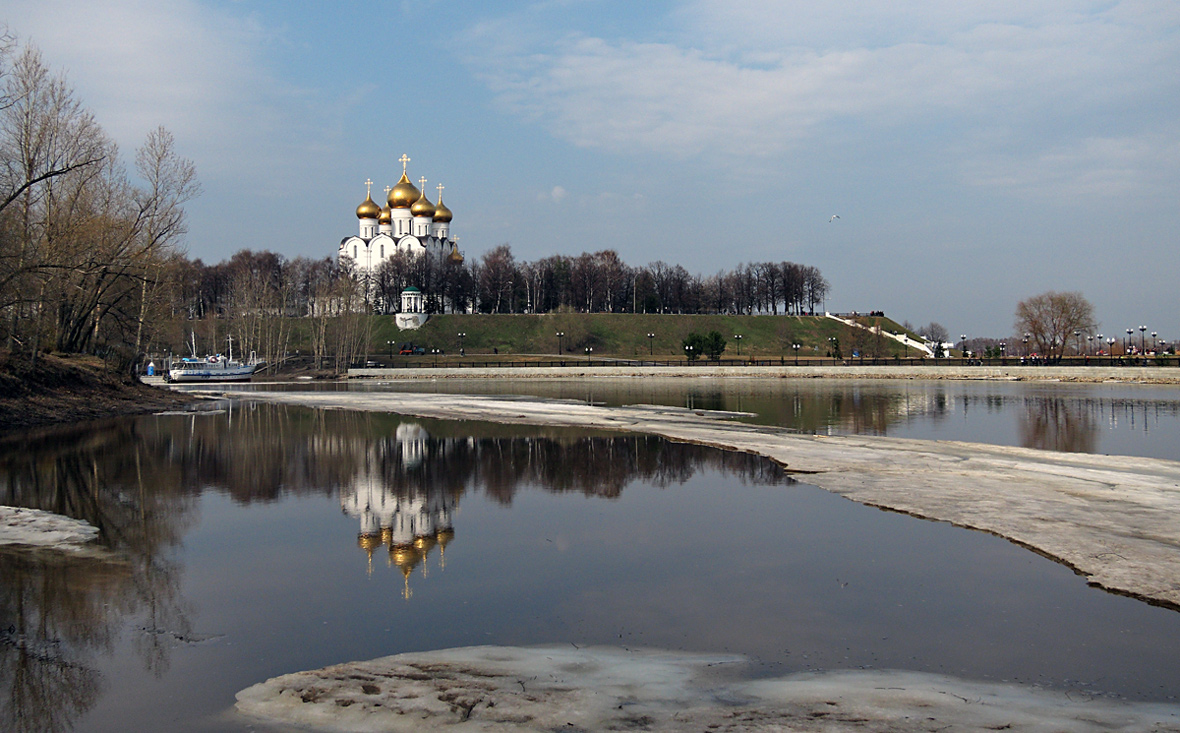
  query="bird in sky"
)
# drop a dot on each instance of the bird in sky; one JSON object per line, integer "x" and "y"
{"x": 834, "y": 218}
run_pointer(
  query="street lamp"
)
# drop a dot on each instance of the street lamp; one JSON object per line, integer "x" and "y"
{"x": 1077, "y": 339}
{"x": 560, "y": 335}
{"x": 1142, "y": 337}
{"x": 1003, "y": 348}
{"x": 688, "y": 349}
{"x": 589, "y": 351}
{"x": 738, "y": 337}
{"x": 1090, "y": 344}
{"x": 1127, "y": 342}
{"x": 391, "y": 343}
{"x": 1109, "y": 348}
{"x": 963, "y": 345}
{"x": 650, "y": 344}
{"x": 796, "y": 347}
{"x": 1025, "y": 340}
{"x": 1153, "y": 345}
{"x": 462, "y": 335}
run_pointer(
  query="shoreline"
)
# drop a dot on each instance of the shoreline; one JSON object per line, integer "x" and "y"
{"x": 580, "y": 369}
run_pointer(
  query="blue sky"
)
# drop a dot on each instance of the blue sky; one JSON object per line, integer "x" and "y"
{"x": 977, "y": 153}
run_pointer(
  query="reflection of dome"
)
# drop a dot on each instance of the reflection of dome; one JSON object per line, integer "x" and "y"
{"x": 404, "y": 194}
{"x": 369, "y": 541}
{"x": 405, "y": 557}
{"x": 425, "y": 544}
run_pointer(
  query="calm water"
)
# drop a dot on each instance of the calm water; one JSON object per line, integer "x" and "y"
{"x": 262, "y": 540}
{"x": 1114, "y": 419}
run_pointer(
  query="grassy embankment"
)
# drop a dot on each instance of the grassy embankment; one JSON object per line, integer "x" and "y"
{"x": 626, "y": 335}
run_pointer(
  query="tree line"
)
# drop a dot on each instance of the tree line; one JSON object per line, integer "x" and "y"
{"x": 596, "y": 282}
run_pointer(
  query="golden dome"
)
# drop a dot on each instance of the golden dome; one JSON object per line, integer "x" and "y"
{"x": 441, "y": 212}
{"x": 385, "y": 217}
{"x": 368, "y": 209}
{"x": 454, "y": 257}
{"x": 404, "y": 194}
{"x": 422, "y": 207}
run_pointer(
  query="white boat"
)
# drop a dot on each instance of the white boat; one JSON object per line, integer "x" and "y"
{"x": 214, "y": 368}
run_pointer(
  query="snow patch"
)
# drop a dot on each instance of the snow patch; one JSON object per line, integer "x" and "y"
{"x": 36, "y": 528}
{"x": 491, "y": 688}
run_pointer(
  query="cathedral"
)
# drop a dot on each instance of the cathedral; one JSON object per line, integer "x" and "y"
{"x": 408, "y": 222}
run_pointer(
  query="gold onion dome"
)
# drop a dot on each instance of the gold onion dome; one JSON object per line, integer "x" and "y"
{"x": 441, "y": 212}
{"x": 404, "y": 194}
{"x": 422, "y": 207}
{"x": 368, "y": 209}
{"x": 454, "y": 256}
{"x": 385, "y": 217}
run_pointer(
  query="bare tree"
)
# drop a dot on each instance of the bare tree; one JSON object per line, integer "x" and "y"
{"x": 1051, "y": 318}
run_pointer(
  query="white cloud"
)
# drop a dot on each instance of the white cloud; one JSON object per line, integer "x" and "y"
{"x": 198, "y": 71}
{"x": 757, "y": 78}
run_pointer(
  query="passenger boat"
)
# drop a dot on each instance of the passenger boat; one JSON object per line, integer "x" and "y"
{"x": 214, "y": 368}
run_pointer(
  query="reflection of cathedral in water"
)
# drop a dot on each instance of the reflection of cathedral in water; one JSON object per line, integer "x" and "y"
{"x": 409, "y": 522}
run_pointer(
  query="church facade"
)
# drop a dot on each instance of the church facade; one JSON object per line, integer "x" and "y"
{"x": 408, "y": 222}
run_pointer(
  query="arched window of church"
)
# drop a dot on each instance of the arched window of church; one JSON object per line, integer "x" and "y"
{"x": 354, "y": 251}
{"x": 383, "y": 250}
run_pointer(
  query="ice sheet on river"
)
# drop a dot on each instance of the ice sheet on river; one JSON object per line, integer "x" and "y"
{"x": 1111, "y": 518}
{"x": 579, "y": 689}
{"x": 36, "y": 528}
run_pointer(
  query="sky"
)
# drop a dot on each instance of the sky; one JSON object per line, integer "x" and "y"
{"x": 975, "y": 153}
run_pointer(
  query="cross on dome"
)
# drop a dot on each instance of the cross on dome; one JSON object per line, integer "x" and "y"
{"x": 440, "y": 190}
{"x": 422, "y": 182}
{"x": 403, "y": 160}
{"x": 368, "y": 186}
{"x": 388, "y": 189}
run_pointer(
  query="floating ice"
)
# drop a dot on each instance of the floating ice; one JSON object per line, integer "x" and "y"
{"x": 36, "y": 528}
{"x": 579, "y": 689}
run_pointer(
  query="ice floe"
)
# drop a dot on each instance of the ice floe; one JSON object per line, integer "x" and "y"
{"x": 37, "y": 528}
{"x": 565, "y": 688}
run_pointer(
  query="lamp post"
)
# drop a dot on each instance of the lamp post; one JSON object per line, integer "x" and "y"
{"x": 688, "y": 349}
{"x": 796, "y": 347}
{"x": 560, "y": 335}
{"x": 835, "y": 342}
{"x": 1153, "y": 344}
{"x": 963, "y": 345}
{"x": 1110, "y": 349}
{"x": 1025, "y": 340}
{"x": 589, "y": 351}
{"x": 462, "y": 335}
{"x": 1003, "y": 349}
{"x": 1127, "y": 342}
{"x": 1089, "y": 345}
{"x": 650, "y": 344}
{"x": 738, "y": 337}
{"x": 1142, "y": 339}
{"x": 391, "y": 343}
{"x": 1077, "y": 339}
